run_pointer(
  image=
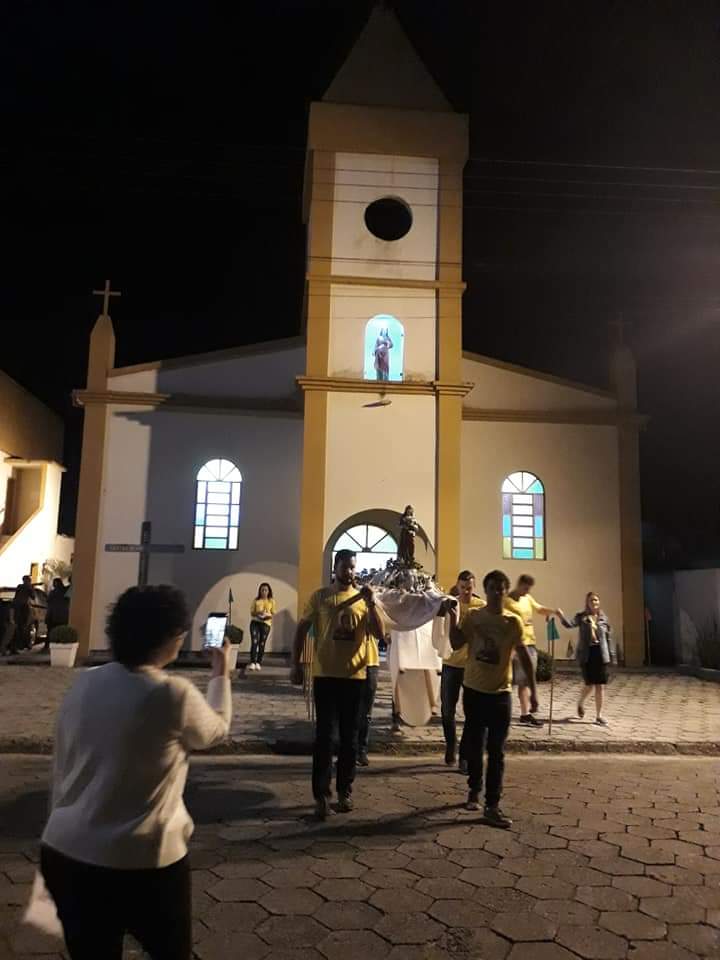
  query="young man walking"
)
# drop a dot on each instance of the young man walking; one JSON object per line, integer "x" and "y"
{"x": 491, "y": 635}
{"x": 453, "y": 670}
{"x": 341, "y": 617}
{"x": 520, "y": 602}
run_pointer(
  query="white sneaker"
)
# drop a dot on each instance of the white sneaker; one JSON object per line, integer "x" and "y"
{"x": 258, "y": 667}
{"x": 251, "y": 666}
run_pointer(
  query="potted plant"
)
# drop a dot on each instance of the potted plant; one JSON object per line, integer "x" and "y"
{"x": 235, "y": 636}
{"x": 63, "y": 646}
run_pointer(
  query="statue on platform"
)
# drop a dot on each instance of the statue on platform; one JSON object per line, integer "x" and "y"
{"x": 408, "y": 530}
{"x": 381, "y": 355}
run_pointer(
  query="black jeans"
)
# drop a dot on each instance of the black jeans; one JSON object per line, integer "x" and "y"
{"x": 336, "y": 699}
{"x": 451, "y": 682}
{"x": 259, "y": 633}
{"x": 98, "y": 905}
{"x": 487, "y": 721}
{"x": 366, "y": 708}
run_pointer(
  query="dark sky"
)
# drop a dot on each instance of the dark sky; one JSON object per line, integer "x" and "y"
{"x": 164, "y": 148}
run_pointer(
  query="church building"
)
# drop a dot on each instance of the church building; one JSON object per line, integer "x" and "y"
{"x": 256, "y": 464}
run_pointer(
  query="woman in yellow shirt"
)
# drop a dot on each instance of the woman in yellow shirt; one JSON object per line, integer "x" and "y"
{"x": 261, "y": 614}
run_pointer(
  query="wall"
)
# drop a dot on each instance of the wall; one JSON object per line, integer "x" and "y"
{"x": 5, "y": 474}
{"x": 697, "y": 606}
{"x": 578, "y": 467}
{"x": 28, "y": 429}
{"x": 380, "y": 457}
{"x": 353, "y": 306}
{"x": 262, "y": 373}
{"x": 35, "y": 542}
{"x": 359, "y": 179}
{"x": 26, "y": 499}
{"x": 502, "y": 387}
{"x": 150, "y": 468}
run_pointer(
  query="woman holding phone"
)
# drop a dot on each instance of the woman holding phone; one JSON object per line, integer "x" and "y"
{"x": 114, "y": 851}
{"x": 261, "y": 614}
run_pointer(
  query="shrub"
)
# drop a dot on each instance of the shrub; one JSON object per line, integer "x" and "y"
{"x": 63, "y": 634}
{"x": 545, "y": 666}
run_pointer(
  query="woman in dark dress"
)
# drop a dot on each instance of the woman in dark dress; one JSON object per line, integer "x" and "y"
{"x": 593, "y": 653}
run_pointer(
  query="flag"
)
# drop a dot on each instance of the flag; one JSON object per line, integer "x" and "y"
{"x": 552, "y": 630}
{"x": 231, "y": 598}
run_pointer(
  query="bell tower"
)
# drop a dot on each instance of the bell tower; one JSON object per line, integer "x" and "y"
{"x": 382, "y": 387}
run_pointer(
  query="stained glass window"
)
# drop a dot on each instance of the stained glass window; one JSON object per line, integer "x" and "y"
{"x": 217, "y": 506}
{"x": 372, "y": 545}
{"x": 523, "y": 517}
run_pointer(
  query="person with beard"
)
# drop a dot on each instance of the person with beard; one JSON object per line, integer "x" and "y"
{"x": 342, "y": 619}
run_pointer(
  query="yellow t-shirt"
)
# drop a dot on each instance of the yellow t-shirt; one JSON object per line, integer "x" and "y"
{"x": 340, "y": 636}
{"x": 458, "y": 657}
{"x": 491, "y": 639}
{"x": 372, "y": 658}
{"x": 263, "y": 606}
{"x": 525, "y": 607}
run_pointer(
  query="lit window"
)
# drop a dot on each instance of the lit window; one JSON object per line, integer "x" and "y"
{"x": 372, "y": 545}
{"x": 217, "y": 506}
{"x": 523, "y": 517}
{"x": 384, "y": 336}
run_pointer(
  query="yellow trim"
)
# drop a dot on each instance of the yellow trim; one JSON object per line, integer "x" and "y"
{"x": 447, "y": 506}
{"x": 593, "y": 417}
{"x": 36, "y": 512}
{"x": 212, "y": 356}
{"x": 345, "y": 280}
{"x": 347, "y": 128}
{"x": 179, "y": 402}
{"x": 383, "y": 387}
{"x": 536, "y": 375}
{"x": 631, "y": 559}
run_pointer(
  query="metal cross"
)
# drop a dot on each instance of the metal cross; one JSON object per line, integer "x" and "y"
{"x": 106, "y": 293}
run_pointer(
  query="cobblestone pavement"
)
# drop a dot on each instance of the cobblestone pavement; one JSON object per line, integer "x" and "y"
{"x": 609, "y": 858}
{"x": 648, "y": 712}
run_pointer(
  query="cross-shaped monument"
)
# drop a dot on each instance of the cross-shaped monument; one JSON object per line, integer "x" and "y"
{"x": 106, "y": 293}
{"x": 144, "y": 548}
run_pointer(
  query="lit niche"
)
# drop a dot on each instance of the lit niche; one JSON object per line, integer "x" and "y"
{"x": 384, "y": 345}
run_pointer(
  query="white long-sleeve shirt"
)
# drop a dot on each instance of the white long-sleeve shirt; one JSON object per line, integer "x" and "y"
{"x": 121, "y": 762}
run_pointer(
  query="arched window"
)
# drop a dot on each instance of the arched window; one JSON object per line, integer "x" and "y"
{"x": 373, "y": 546}
{"x": 523, "y": 517}
{"x": 384, "y": 336}
{"x": 217, "y": 506}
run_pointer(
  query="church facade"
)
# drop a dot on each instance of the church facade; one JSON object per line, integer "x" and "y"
{"x": 258, "y": 463}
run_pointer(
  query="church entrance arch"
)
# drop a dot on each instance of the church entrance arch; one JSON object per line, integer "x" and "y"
{"x": 373, "y": 535}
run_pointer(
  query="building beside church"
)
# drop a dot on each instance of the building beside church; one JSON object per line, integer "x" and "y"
{"x": 259, "y": 462}
{"x": 31, "y": 446}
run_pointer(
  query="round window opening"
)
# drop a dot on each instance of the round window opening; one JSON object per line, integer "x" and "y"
{"x": 388, "y": 218}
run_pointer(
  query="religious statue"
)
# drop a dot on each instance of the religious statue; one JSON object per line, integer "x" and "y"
{"x": 383, "y": 346}
{"x": 408, "y": 530}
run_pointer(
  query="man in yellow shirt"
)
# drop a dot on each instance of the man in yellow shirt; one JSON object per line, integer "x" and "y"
{"x": 520, "y": 602}
{"x": 452, "y": 673}
{"x": 341, "y": 617}
{"x": 491, "y": 636}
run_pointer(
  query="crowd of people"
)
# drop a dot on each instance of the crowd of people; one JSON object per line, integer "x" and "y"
{"x": 114, "y": 852}
{"x": 20, "y": 616}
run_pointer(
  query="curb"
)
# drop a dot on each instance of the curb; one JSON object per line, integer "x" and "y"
{"x": 303, "y": 748}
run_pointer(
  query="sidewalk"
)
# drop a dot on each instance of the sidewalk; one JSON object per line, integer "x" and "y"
{"x": 660, "y": 713}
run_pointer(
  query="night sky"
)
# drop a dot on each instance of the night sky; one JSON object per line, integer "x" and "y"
{"x": 164, "y": 149}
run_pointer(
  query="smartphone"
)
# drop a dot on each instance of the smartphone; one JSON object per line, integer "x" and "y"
{"x": 215, "y": 630}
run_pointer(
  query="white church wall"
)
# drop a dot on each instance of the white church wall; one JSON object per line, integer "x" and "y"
{"x": 34, "y": 543}
{"x": 351, "y": 309}
{"x": 151, "y": 467}
{"x": 360, "y": 179}
{"x": 578, "y": 466}
{"x": 380, "y": 457}
{"x": 499, "y": 388}
{"x": 265, "y": 373}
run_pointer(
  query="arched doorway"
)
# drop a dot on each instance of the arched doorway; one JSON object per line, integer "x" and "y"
{"x": 380, "y": 524}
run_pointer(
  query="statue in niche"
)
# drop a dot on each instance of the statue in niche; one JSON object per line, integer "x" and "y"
{"x": 408, "y": 530}
{"x": 381, "y": 353}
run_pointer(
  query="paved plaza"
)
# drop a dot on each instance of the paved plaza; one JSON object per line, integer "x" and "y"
{"x": 648, "y": 712}
{"x": 609, "y": 858}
